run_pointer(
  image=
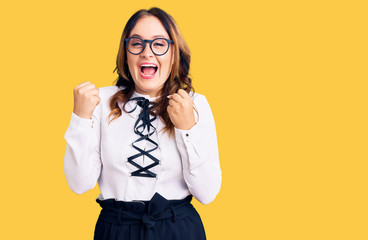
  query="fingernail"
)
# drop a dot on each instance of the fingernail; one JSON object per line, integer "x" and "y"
{"x": 169, "y": 96}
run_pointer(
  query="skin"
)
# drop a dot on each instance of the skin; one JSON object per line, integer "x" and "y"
{"x": 180, "y": 109}
{"x": 86, "y": 99}
{"x": 149, "y": 27}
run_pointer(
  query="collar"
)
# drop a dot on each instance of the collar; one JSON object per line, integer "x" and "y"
{"x": 133, "y": 104}
{"x": 151, "y": 99}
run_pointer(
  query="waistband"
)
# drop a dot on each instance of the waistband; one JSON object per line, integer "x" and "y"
{"x": 146, "y": 212}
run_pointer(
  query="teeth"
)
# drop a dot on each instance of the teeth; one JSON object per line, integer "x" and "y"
{"x": 148, "y": 65}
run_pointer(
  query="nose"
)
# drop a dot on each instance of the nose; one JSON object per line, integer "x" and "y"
{"x": 147, "y": 52}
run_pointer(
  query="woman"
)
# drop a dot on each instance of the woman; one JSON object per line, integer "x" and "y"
{"x": 149, "y": 141}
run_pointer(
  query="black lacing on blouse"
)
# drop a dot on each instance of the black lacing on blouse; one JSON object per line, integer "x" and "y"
{"x": 143, "y": 122}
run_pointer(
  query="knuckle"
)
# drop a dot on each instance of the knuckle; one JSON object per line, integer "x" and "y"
{"x": 79, "y": 91}
{"x": 77, "y": 88}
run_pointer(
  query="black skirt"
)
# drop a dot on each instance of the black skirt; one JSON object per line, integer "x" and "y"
{"x": 157, "y": 219}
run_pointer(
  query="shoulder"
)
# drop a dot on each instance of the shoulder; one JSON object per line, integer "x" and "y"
{"x": 198, "y": 99}
{"x": 203, "y": 110}
{"x": 106, "y": 92}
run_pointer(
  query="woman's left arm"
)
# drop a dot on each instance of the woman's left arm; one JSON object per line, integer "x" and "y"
{"x": 199, "y": 151}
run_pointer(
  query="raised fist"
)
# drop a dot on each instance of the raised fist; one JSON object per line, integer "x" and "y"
{"x": 85, "y": 99}
{"x": 180, "y": 110}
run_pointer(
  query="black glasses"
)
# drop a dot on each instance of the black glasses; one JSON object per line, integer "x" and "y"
{"x": 159, "y": 46}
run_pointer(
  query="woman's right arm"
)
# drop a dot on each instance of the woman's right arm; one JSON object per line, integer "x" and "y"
{"x": 82, "y": 161}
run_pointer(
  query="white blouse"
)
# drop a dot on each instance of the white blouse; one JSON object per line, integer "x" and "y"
{"x": 98, "y": 151}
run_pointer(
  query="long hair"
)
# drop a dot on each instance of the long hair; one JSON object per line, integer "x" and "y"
{"x": 178, "y": 78}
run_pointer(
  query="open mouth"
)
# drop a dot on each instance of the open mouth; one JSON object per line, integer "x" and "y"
{"x": 148, "y": 70}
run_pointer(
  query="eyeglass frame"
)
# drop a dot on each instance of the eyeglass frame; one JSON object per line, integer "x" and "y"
{"x": 150, "y": 44}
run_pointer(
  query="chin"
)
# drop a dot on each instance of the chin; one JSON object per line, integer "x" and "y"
{"x": 148, "y": 90}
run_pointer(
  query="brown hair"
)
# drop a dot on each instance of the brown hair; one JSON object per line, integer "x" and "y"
{"x": 178, "y": 78}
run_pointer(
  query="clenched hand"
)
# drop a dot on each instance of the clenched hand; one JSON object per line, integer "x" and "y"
{"x": 85, "y": 99}
{"x": 180, "y": 110}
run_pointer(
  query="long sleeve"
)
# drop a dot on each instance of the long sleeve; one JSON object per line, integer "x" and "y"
{"x": 82, "y": 160}
{"x": 200, "y": 157}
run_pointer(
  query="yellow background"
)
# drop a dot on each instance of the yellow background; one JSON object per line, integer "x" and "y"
{"x": 287, "y": 84}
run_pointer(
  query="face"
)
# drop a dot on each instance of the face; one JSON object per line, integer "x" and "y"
{"x": 151, "y": 83}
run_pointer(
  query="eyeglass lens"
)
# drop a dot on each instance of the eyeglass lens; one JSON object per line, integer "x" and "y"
{"x": 136, "y": 45}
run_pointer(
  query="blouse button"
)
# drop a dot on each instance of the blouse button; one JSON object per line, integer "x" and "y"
{"x": 187, "y": 137}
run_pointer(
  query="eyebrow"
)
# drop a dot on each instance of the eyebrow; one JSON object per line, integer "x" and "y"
{"x": 154, "y": 36}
